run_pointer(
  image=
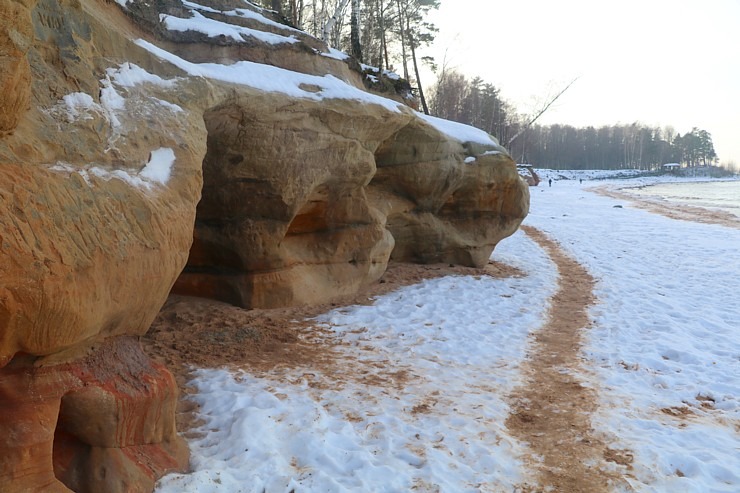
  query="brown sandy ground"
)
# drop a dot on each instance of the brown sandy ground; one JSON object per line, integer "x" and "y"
{"x": 552, "y": 411}
{"x": 194, "y": 333}
{"x": 674, "y": 211}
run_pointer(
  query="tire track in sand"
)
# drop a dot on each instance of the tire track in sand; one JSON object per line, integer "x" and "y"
{"x": 552, "y": 411}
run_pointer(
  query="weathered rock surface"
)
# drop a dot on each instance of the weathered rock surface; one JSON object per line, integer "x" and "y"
{"x": 90, "y": 244}
{"x": 288, "y": 223}
{"x": 440, "y": 208}
{"x": 15, "y": 71}
{"x": 321, "y": 214}
{"x": 104, "y": 422}
{"x": 106, "y": 147}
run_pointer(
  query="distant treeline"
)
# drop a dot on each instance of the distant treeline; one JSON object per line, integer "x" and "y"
{"x": 634, "y": 146}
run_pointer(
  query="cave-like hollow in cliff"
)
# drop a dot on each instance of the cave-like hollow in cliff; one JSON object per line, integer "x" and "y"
{"x": 266, "y": 237}
{"x": 215, "y": 262}
{"x": 69, "y": 453}
{"x": 300, "y": 207}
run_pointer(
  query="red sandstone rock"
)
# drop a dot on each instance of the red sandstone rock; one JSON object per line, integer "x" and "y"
{"x": 104, "y": 422}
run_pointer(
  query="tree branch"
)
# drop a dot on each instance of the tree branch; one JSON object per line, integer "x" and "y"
{"x": 540, "y": 113}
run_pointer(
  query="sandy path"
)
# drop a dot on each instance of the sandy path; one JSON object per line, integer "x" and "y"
{"x": 552, "y": 412}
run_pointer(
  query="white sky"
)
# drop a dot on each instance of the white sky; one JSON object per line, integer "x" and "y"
{"x": 658, "y": 62}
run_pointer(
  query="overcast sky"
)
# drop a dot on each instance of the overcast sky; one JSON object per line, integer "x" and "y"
{"x": 658, "y": 62}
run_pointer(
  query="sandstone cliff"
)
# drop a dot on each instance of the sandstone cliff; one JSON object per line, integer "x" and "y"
{"x": 146, "y": 145}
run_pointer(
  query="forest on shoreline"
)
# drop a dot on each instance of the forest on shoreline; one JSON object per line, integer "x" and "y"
{"x": 386, "y": 33}
{"x": 620, "y": 146}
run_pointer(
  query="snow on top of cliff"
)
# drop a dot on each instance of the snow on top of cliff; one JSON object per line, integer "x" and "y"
{"x": 336, "y": 54}
{"x": 369, "y": 68}
{"x": 460, "y": 131}
{"x": 274, "y": 79}
{"x": 213, "y": 28}
{"x": 269, "y": 78}
{"x": 130, "y": 75}
{"x": 243, "y": 13}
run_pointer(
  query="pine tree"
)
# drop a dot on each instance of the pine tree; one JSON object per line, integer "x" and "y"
{"x": 414, "y": 32}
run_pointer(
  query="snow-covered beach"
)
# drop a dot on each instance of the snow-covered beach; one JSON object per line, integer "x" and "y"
{"x": 423, "y": 377}
{"x": 664, "y": 342}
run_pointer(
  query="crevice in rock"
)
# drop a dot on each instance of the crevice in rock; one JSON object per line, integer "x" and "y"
{"x": 312, "y": 218}
{"x": 213, "y": 263}
{"x": 69, "y": 455}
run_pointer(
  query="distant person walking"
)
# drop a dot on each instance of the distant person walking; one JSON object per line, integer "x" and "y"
{"x": 550, "y": 182}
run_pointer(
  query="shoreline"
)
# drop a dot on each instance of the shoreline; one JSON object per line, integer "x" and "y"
{"x": 665, "y": 320}
{"x": 683, "y": 212}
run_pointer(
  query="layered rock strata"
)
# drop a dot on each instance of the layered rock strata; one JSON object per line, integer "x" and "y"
{"x": 103, "y": 422}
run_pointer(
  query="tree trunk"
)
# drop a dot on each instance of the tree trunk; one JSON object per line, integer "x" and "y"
{"x": 403, "y": 40}
{"x": 380, "y": 11}
{"x": 355, "y": 31}
{"x": 296, "y": 13}
{"x": 412, "y": 44}
{"x": 314, "y": 22}
{"x": 329, "y": 26}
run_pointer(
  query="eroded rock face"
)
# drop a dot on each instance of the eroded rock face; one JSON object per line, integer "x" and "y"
{"x": 15, "y": 71}
{"x": 440, "y": 208}
{"x": 284, "y": 217}
{"x": 87, "y": 260}
{"x": 91, "y": 238}
{"x": 104, "y": 422}
{"x": 105, "y": 151}
{"x": 99, "y": 180}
